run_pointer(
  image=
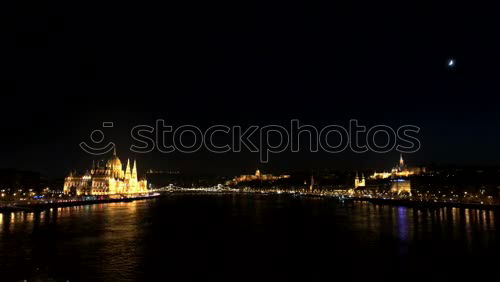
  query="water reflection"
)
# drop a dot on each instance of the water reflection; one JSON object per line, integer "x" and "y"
{"x": 118, "y": 219}
{"x": 100, "y": 237}
{"x": 402, "y": 223}
{"x": 472, "y": 226}
{"x": 113, "y": 241}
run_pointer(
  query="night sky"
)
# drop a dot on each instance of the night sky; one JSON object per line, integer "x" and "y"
{"x": 68, "y": 66}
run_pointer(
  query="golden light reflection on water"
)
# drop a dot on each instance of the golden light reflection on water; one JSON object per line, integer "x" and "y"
{"x": 26, "y": 221}
{"x": 109, "y": 230}
{"x": 119, "y": 221}
{"x": 474, "y": 227}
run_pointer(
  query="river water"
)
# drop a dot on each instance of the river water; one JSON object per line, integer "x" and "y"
{"x": 242, "y": 237}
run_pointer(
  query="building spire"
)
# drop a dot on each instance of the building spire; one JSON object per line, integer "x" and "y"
{"x": 311, "y": 187}
{"x": 127, "y": 170}
{"x": 114, "y": 151}
{"x": 401, "y": 161}
{"x": 134, "y": 170}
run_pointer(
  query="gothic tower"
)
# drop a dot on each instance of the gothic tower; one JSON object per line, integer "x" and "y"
{"x": 134, "y": 170}
{"x": 127, "y": 170}
{"x": 359, "y": 181}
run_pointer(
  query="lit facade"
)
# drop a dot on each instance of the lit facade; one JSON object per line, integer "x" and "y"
{"x": 401, "y": 170}
{"x": 359, "y": 181}
{"x": 256, "y": 176}
{"x": 400, "y": 186}
{"x": 106, "y": 178}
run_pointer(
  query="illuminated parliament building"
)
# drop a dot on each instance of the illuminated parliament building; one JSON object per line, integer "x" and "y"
{"x": 106, "y": 178}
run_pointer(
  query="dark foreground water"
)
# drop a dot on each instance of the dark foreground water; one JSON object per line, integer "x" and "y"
{"x": 250, "y": 238}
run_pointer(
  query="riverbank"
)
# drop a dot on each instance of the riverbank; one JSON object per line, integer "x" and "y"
{"x": 426, "y": 204}
{"x": 40, "y": 206}
{"x": 411, "y": 203}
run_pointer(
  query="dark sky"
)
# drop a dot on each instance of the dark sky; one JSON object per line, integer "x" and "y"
{"x": 68, "y": 66}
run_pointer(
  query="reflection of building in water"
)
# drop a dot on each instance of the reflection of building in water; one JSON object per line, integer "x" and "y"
{"x": 106, "y": 178}
{"x": 359, "y": 181}
{"x": 401, "y": 170}
{"x": 401, "y": 186}
{"x": 256, "y": 176}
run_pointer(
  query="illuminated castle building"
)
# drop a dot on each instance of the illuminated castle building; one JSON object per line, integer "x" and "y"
{"x": 401, "y": 170}
{"x": 254, "y": 177}
{"x": 106, "y": 178}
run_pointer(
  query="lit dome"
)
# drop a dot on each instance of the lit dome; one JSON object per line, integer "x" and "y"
{"x": 114, "y": 166}
{"x": 114, "y": 162}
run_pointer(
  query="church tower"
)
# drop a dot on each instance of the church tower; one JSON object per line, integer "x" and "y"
{"x": 359, "y": 182}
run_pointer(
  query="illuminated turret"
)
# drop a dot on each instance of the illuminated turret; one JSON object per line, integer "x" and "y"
{"x": 134, "y": 171}
{"x": 127, "y": 170}
{"x": 359, "y": 182}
